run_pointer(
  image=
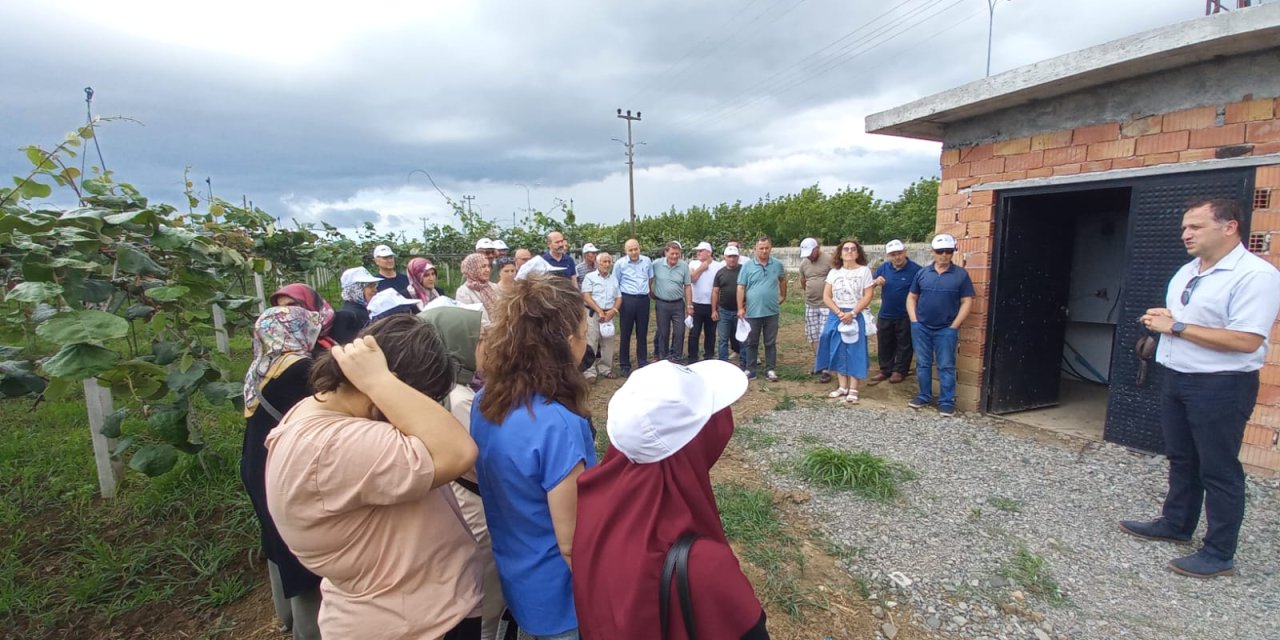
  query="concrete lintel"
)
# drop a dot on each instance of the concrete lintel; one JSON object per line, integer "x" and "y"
{"x": 1136, "y": 172}
{"x": 1232, "y": 33}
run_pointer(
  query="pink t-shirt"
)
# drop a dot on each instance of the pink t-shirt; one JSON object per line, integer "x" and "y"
{"x": 352, "y": 498}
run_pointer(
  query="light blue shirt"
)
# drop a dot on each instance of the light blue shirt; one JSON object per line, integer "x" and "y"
{"x": 1241, "y": 293}
{"x": 762, "y": 282}
{"x": 603, "y": 289}
{"x": 633, "y": 277}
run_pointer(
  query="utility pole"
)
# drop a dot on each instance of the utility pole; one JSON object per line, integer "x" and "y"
{"x": 991, "y": 18}
{"x": 631, "y": 165}
{"x": 468, "y": 199}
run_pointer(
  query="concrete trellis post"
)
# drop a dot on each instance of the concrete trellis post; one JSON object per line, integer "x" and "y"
{"x": 98, "y": 401}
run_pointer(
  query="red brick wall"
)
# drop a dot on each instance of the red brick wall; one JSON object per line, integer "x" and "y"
{"x": 967, "y": 211}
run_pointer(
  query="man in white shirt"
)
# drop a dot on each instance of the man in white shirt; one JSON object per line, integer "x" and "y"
{"x": 702, "y": 271}
{"x": 1218, "y": 312}
{"x": 603, "y": 296}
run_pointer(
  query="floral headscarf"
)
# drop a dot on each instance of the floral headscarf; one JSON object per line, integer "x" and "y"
{"x": 281, "y": 334}
{"x": 310, "y": 300}
{"x": 417, "y": 268}
{"x": 473, "y": 270}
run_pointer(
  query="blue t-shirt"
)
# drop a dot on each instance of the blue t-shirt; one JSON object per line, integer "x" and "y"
{"x": 570, "y": 267}
{"x": 520, "y": 461}
{"x": 400, "y": 283}
{"x": 897, "y": 284}
{"x": 940, "y": 295}
{"x": 762, "y": 283}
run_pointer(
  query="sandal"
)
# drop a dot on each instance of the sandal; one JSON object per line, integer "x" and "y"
{"x": 838, "y": 393}
{"x": 852, "y": 396}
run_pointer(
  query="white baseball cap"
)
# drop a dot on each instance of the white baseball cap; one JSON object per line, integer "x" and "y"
{"x": 894, "y": 245}
{"x": 731, "y": 251}
{"x": 665, "y": 405}
{"x": 943, "y": 241}
{"x": 807, "y": 245}
{"x": 499, "y": 245}
{"x": 703, "y": 246}
{"x": 359, "y": 275}
{"x": 849, "y": 332}
{"x": 484, "y": 243}
{"x": 589, "y": 248}
{"x": 536, "y": 264}
{"x": 677, "y": 243}
{"x": 386, "y": 300}
{"x": 383, "y": 251}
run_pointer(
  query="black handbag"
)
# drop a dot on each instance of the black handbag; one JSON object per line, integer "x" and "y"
{"x": 677, "y": 564}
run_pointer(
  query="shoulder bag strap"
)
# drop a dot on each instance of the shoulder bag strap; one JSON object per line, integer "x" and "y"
{"x": 677, "y": 564}
{"x": 271, "y": 411}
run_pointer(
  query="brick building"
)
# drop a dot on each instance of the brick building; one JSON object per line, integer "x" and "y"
{"x": 1065, "y": 182}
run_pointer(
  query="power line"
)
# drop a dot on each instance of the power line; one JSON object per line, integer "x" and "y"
{"x": 846, "y": 55}
{"x": 782, "y": 73}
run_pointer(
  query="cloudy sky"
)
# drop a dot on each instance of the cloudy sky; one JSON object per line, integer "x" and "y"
{"x": 324, "y": 111}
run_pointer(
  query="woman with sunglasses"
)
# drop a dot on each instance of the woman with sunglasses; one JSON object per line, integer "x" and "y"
{"x": 842, "y": 345}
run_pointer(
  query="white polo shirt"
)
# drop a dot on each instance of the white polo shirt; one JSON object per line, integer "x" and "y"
{"x": 706, "y": 282}
{"x": 1241, "y": 293}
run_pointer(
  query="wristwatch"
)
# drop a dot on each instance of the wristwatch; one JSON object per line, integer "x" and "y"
{"x": 1177, "y": 329}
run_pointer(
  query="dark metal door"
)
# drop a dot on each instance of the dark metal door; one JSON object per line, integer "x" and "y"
{"x": 1029, "y": 307}
{"x": 1155, "y": 254}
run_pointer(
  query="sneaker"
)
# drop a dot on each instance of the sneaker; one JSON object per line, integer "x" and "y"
{"x": 771, "y": 375}
{"x": 946, "y": 411}
{"x": 1202, "y": 564}
{"x": 917, "y": 403}
{"x": 877, "y": 379}
{"x": 751, "y": 375}
{"x": 1157, "y": 529}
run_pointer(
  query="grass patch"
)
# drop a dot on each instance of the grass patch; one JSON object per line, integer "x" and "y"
{"x": 753, "y": 438}
{"x": 786, "y": 403}
{"x": 1008, "y": 505}
{"x": 863, "y": 472}
{"x": 1032, "y": 572}
{"x": 809, "y": 439}
{"x": 751, "y": 520}
{"x": 75, "y": 561}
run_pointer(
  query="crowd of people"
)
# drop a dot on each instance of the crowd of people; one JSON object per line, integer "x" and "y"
{"x": 424, "y": 466}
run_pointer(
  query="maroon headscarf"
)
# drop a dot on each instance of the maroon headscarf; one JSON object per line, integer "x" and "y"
{"x": 416, "y": 269}
{"x": 310, "y": 300}
{"x": 629, "y": 515}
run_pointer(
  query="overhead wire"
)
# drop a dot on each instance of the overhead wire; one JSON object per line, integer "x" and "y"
{"x": 844, "y": 55}
{"x": 671, "y": 84}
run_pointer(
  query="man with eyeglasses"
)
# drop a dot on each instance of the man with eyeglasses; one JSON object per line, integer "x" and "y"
{"x": 938, "y": 302}
{"x": 1213, "y": 331}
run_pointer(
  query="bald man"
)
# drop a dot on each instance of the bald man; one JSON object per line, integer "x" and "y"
{"x": 557, "y": 255}
{"x": 635, "y": 281}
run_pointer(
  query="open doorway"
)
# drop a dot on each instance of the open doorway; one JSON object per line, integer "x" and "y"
{"x": 1057, "y": 286}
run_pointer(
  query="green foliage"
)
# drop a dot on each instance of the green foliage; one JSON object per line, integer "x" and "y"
{"x": 1033, "y": 573}
{"x": 870, "y": 475}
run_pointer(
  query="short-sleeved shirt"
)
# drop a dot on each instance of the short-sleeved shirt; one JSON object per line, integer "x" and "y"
{"x": 897, "y": 284}
{"x": 669, "y": 281}
{"x": 570, "y": 268}
{"x": 400, "y": 283}
{"x": 762, "y": 283}
{"x": 522, "y": 459}
{"x": 848, "y": 285}
{"x": 1241, "y": 293}
{"x": 705, "y": 282}
{"x": 352, "y": 498}
{"x": 940, "y": 294}
{"x": 603, "y": 289}
{"x": 584, "y": 269}
{"x": 727, "y": 283}
{"x": 633, "y": 277}
{"x": 814, "y": 273}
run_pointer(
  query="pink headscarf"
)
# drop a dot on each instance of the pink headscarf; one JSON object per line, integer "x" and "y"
{"x": 473, "y": 270}
{"x": 417, "y": 268}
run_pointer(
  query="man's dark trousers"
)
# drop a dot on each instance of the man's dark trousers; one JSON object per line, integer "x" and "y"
{"x": 702, "y": 322}
{"x": 1204, "y": 416}
{"x": 668, "y": 337}
{"x": 893, "y": 344}
{"x": 634, "y": 315}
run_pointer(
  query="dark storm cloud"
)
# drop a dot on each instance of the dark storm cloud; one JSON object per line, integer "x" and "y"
{"x": 521, "y": 92}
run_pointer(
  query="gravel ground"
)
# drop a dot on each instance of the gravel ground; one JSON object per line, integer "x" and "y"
{"x": 981, "y": 494}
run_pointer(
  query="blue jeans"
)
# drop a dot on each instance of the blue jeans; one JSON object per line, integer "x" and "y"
{"x": 1204, "y": 415}
{"x": 935, "y": 346}
{"x": 725, "y": 329}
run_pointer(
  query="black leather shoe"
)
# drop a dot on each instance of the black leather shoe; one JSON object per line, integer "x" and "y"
{"x": 1157, "y": 529}
{"x": 1201, "y": 564}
